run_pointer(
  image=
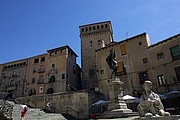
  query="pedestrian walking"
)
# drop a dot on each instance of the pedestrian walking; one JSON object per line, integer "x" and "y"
{"x": 47, "y": 107}
{"x": 23, "y": 110}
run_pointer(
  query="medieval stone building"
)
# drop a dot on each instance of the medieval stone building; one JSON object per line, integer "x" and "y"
{"x": 138, "y": 61}
{"x": 53, "y": 72}
{"x": 93, "y": 37}
{"x": 56, "y": 77}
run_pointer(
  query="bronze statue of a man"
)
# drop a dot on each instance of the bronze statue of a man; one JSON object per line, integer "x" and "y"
{"x": 111, "y": 60}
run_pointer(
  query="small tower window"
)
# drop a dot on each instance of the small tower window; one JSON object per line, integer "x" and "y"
{"x": 145, "y": 60}
{"x": 89, "y": 28}
{"x": 94, "y": 27}
{"x": 82, "y": 29}
{"x": 98, "y": 27}
{"x": 102, "y": 26}
{"x": 140, "y": 43}
{"x": 90, "y": 43}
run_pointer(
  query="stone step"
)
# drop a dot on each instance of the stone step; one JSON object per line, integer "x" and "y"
{"x": 34, "y": 114}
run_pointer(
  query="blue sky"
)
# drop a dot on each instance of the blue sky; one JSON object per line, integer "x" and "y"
{"x": 30, "y": 27}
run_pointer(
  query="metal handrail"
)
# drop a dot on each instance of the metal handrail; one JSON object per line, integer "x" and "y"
{"x": 29, "y": 100}
{"x": 73, "y": 111}
{"x": 32, "y": 102}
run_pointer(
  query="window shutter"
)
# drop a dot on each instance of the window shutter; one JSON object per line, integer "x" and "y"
{"x": 120, "y": 67}
{"x": 123, "y": 49}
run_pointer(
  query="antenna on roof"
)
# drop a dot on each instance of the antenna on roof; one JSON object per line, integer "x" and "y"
{"x": 126, "y": 35}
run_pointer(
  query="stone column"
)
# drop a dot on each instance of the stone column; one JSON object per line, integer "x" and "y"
{"x": 116, "y": 95}
{"x": 116, "y": 106}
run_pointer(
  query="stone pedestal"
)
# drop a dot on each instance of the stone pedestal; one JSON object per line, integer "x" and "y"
{"x": 116, "y": 106}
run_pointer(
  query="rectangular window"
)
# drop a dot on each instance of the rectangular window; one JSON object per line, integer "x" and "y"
{"x": 91, "y": 73}
{"x": 41, "y": 79}
{"x": 143, "y": 76}
{"x": 66, "y": 76}
{"x": 41, "y": 89}
{"x": 42, "y": 59}
{"x": 120, "y": 67}
{"x": 89, "y": 28}
{"x": 33, "y": 80}
{"x": 53, "y": 65}
{"x": 177, "y": 71}
{"x": 91, "y": 43}
{"x": 12, "y": 82}
{"x": 36, "y": 60}
{"x": 34, "y": 70}
{"x": 58, "y": 52}
{"x": 52, "y": 79}
{"x": 82, "y": 29}
{"x": 41, "y": 69}
{"x": 63, "y": 76}
{"x": 160, "y": 56}
{"x": 97, "y": 26}
{"x": 123, "y": 49}
{"x": 102, "y": 26}
{"x": 145, "y": 60}
{"x": 140, "y": 43}
{"x": 161, "y": 80}
{"x": 175, "y": 52}
{"x": 101, "y": 72}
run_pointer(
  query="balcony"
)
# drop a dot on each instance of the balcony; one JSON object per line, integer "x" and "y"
{"x": 40, "y": 81}
{"x": 41, "y": 70}
{"x": 51, "y": 79}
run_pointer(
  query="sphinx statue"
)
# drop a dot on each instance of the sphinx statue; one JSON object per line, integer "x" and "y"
{"x": 150, "y": 103}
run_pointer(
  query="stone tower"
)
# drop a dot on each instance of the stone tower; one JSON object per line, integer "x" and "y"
{"x": 93, "y": 37}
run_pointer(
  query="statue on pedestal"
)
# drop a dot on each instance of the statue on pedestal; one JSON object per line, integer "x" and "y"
{"x": 150, "y": 103}
{"x": 111, "y": 60}
{"x": 116, "y": 105}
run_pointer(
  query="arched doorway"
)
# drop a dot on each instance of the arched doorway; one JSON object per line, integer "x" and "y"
{"x": 50, "y": 91}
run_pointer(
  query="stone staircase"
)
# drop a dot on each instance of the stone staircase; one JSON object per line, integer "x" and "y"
{"x": 34, "y": 114}
{"x": 3, "y": 117}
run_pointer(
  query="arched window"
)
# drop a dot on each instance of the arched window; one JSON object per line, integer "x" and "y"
{"x": 50, "y": 91}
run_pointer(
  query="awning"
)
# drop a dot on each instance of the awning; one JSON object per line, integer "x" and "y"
{"x": 131, "y": 99}
{"x": 100, "y": 102}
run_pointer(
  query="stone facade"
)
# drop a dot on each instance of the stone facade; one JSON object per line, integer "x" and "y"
{"x": 13, "y": 75}
{"x": 93, "y": 37}
{"x": 53, "y": 72}
{"x": 137, "y": 60}
{"x": 165, "y": 67}
{"x": 74, "y": 103}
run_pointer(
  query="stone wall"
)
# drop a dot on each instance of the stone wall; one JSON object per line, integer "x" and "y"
{"x": 76, "y": 101}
